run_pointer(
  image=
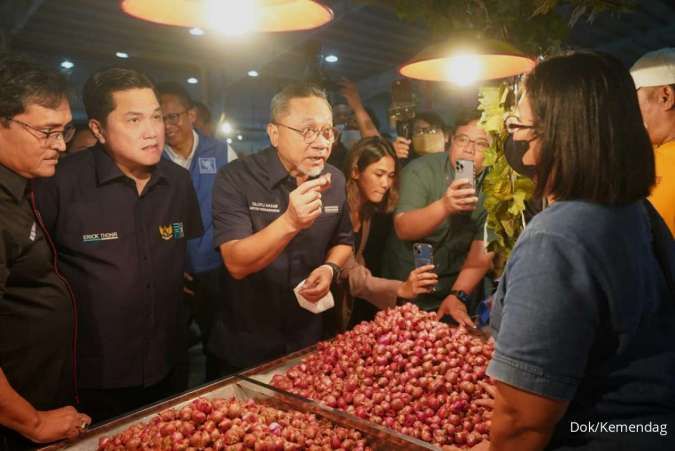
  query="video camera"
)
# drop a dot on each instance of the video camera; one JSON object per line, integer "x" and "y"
{"x": 402, "y": 109}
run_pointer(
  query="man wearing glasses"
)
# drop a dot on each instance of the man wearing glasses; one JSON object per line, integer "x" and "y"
{"x": 37, "y": 309}
{"x": 280, "y": 217}
{"x": 440, "y": 209}
{"x": 202, "y": 156}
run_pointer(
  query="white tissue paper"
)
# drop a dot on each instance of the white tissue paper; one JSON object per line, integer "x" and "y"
{"x": 319, "y": 306}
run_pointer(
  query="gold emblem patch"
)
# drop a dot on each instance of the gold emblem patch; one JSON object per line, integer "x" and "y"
{"x": 166, "y": 232}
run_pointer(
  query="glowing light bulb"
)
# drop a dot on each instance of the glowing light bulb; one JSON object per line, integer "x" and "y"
{"x": 226, "y": 128}
{"x": 464, "y": 69}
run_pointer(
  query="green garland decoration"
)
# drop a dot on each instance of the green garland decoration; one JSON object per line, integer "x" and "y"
{"x": 504, "y": 189}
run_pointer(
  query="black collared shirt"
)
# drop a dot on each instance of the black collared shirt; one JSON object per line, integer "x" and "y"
{"x": 124, "y": 255}
{"x": 36, "y": 310}
{"x": 262, "y": 318}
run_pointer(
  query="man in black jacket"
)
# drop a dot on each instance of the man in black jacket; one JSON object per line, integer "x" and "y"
{"x": 37, "y": 324}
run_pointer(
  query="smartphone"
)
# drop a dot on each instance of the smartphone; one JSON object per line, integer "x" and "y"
{"x": 423, "y": 254}
{"x": 464, "y": 170}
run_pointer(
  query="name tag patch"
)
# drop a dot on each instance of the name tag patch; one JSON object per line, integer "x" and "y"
{"x": 93, "y": 237}
{"x": 207, "y": 165}
{"x": 262, "y": 206}
{"x": 331, "y": 209}
{"x": 172, "y": 231}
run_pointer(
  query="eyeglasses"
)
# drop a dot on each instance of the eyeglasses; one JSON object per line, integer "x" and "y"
{"x": 512, "y": 124}
{"x": 310, "y": 134}
{"x": 427, "y": 131}
{"x": 173, "y": 118}
{"x": 49, "y": 137}
{"x": 464, "y": 141}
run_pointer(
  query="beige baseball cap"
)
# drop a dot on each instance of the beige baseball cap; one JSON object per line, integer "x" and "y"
{"x": 655, "y": 68}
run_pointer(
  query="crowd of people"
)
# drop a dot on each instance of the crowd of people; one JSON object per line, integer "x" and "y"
{"x": 149, "y": 222}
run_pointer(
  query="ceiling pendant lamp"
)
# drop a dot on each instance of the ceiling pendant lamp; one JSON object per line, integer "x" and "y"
{"x": 464, "y": 59}
{"x": 232, "y": 16}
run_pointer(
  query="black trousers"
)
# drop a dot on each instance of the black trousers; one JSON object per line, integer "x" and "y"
{"x": 205, "y": 305}
{"x": 104, "y": 404}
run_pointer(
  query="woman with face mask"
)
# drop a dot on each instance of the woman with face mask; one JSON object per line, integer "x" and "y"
{"x": 372, "y": 193}
{"x": 583, "y": 317}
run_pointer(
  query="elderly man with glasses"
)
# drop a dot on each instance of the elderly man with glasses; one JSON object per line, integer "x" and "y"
{"x": 37, "y": 307}
{"x": 280, "y": 217}
{"x": 438, "y": 208}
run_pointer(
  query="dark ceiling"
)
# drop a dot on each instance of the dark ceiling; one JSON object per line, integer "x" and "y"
{"x": 371, "y": 42}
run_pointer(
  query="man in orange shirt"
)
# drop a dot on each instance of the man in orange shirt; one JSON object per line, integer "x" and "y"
{"x": 654, "y": 77}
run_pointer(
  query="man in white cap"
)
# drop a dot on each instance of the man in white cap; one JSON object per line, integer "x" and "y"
{"x": 654, "y": 77}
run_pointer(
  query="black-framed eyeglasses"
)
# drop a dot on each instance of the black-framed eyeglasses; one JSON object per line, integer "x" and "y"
{"x": 463, "y": 141}
{"x": 310, "y": 134}
{"x": 427, "y": 131}
{"x": 173, "y": 118}
{"x": 66, "y": 134}
{"x": 512, "y": 124}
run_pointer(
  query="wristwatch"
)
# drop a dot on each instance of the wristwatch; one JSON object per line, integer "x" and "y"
{"x": 462, "y": 296}
{"x": 336, "y": 271}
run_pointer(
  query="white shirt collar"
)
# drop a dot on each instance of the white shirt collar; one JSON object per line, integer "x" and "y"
{"x": 178, "y": 159}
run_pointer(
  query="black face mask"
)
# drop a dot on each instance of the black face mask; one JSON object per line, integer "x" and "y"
{"x": 514, "y": 149}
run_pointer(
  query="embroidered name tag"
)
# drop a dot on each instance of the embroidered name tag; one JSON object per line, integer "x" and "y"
{"x": 172, "y": 231}
{"x": 262, "y": 206}
{"x": 331, "y": 209}
{"x": 207, "y": 165}
{"x": 92, "y": 237}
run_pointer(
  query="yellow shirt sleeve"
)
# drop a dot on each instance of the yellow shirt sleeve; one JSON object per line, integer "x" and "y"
{"x": 663, "y": 193}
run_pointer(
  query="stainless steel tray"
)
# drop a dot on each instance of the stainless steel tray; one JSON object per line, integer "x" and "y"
{"x": 243, "y": 389}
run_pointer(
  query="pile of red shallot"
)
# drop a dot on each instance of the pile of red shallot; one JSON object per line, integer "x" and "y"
{"x": 229, "y": 424}
{"x": 403, "y": 370}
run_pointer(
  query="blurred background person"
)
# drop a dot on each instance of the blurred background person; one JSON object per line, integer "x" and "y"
{"x": 82, "y": 139}
{"x": 654, "y": 78}
{"x": 429, "y": 135}
{"x": 204, "y": 122}
{"x": 352, "y": 121}
{"x": 202, "y": 156}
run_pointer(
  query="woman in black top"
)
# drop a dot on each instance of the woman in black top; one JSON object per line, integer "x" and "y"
{"x": 372, "y": 173}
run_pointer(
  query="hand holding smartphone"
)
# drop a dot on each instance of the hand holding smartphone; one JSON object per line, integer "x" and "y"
{"x": 464, "y": 169}
{"x": 423, "y": 254}
{"x": 461, "y": 196}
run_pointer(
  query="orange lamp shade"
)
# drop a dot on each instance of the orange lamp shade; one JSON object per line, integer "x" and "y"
{"x": 465, "y": 60}
{"x": 259, "y": 15}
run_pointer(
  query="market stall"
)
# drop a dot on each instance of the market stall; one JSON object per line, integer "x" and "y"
{"x": 402, "y": 381}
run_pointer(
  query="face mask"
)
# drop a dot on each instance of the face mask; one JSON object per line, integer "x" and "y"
{"x": 350, "y": 137}
{"x": 514, "y": 149}
{"x": 428, "y": 143}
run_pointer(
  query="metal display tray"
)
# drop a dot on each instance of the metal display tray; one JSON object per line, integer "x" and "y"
{"x": 264, "y": 373}
{"x": 244, "y": 388}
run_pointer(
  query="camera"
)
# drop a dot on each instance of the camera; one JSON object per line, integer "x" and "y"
{"x": 402, "y": 109}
